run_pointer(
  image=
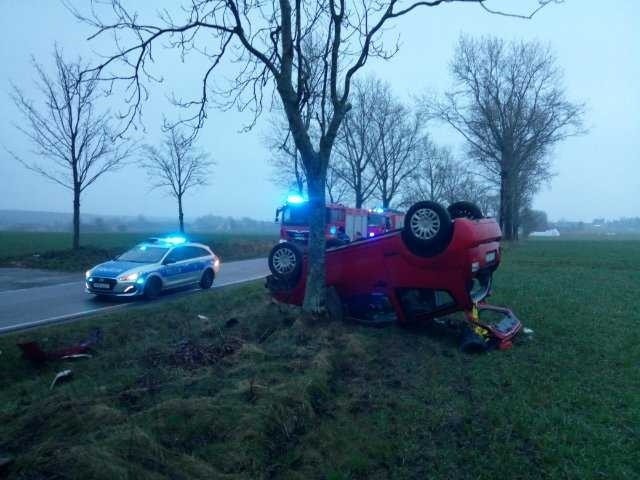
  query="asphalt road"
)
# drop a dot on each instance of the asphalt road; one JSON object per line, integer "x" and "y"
{"x": 64, "y": 298}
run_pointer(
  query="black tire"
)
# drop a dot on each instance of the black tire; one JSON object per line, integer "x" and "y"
{"x": 471, "y": 342}
{"x": 427, "y": 229}
{"x": 152, "y": 288}
{"x": 207, "y": 279}
{"x": 465, "y": 210}
{"x": 285, "y": 261}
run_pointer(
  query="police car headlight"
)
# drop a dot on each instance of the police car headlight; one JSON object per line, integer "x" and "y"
{"x": 87, "y": 274}
{"x": 131, "y": 277}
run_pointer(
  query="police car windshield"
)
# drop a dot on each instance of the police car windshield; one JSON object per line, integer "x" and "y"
{"x": 144, "y": 254}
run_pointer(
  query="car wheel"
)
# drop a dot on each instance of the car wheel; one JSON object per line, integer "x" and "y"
{"x": 207, "y": 279}
{"x": 471, "y": 342}
{"x": 465, "y": 210}
{"x": 152, "y": 288}
{"x": 285, "y": 261}
{"x": 427, "y": 228}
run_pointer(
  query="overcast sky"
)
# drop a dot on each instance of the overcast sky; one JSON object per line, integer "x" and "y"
{"x": 597, "y": 44}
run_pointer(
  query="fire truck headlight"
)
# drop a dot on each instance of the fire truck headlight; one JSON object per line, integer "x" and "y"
{"x": 371, "y": 234}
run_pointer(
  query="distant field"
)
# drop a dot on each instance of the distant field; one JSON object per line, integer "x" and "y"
{"x": 52, "y": 249}
{"x": 253, "y": 391}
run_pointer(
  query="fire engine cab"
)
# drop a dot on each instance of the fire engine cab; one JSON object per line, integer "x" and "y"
{"x": 341, "y": 222}
{"x": 383, "y": 220}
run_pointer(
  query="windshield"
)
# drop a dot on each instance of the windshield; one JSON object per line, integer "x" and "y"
{"x": 144, "y": 254}
{"x": 296, "y": 214}
{"x": 376, "y": 219}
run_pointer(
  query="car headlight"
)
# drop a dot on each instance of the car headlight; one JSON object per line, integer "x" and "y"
{"x": 87, "y": 274}
{"x": 131, "y": 277}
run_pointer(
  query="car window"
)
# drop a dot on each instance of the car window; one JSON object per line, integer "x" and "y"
{"x": 143, "y": 254}
{"x": 176, "y": 255}
{"x": 198, "y": 252}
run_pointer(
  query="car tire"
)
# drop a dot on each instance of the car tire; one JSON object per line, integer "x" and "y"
{"x": 471, "y": 342}
{"x": 465, "y": 210}
{"x": 427, "y": 228}
{"x": 152, "y": 288}
{"x": 207, "y": 279}
{"x": 285, "y": 261}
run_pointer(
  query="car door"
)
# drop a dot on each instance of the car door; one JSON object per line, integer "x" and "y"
{"x": 194, "y": 264}
{"x": 173, "y": 271}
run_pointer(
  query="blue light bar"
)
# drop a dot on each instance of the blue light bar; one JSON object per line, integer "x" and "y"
{"x": 295, "y": 198}
{"x": 174, "y": 240}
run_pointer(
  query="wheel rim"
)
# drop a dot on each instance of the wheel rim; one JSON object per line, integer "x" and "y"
{"x": 208, "y": 278}
{"x": 425, "y": 224}
{"x": 284, "y": 261}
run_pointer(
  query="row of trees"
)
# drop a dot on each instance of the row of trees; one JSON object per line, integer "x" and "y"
{"x": 75, "y": 142}
{"x": 508, "y": 104}
{"x": 383, "y": 154}
{"x": 307, "y": 54}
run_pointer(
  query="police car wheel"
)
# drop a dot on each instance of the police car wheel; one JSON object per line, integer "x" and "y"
{"x": 427, "y": 228}
{"x": 152, "y": 288}
{"x": 285, "y": 261}
{"x": 465, "y": 210}
{"x": 207, "y": 279}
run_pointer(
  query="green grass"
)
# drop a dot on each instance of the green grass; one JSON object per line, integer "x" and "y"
{"x": 256, "y": 392}
{"x": 50, "y": 250}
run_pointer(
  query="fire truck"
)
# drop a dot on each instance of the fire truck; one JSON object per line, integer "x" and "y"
{"x": 340, "y": 221}
{"x": 383, "y": 220}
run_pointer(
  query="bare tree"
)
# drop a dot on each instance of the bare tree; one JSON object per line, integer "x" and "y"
{"x": 357, "y": 140}
{"x": 74, "y": 140}
{"x": 429, "y": 178}
{"x": 278, "y": 42}
{"x": 393, "y": 159}
{"x": 337, "y": 189}
{"x": 177, "y": 167}
{"x": 288, "y": 169}
{"x": 509, "y": 105}
{"x": 439, "y": 177}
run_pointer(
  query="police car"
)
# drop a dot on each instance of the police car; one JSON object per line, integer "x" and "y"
{"x": 153, "y": 266}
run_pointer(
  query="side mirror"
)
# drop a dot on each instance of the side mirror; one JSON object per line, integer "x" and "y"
{"x": 168, "y": 261}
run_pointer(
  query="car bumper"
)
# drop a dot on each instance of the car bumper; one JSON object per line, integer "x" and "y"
{"x": 119, "y": 289}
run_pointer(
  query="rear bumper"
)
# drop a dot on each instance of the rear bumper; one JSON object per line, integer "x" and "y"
{"x": 500, "y": 324}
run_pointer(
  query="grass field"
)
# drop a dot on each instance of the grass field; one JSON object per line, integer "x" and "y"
{"x": 255, "y": 392}
{"x": 51, "y": 250}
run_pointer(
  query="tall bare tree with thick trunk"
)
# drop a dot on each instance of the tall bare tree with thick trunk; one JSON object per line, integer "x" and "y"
{"x": 177, "y": 167}
{"x": 73, "y": 139}
{"x": 509, "y": 104}
{"x": 275, "y": 43}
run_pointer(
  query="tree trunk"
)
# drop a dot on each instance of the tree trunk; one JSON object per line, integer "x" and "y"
{"x": 359, "y": 201}
{"x": 180, "y": 215}
{"x": 76, "y": 217}
{"x": 506, "y": 206}
{"x": 315, "y": 292}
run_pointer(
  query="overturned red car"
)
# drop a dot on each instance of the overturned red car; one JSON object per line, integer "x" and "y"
{"x": 440, "y": 262}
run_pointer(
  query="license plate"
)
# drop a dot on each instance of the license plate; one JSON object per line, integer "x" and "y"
{"x": 490, "y": 257}
{"x": 101, "y": 285}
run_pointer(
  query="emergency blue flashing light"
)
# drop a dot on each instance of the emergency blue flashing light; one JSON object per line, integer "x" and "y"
{"x": 174, "y": 240}
{"x": 333, "y": 230}
{"x": 295, "y": 198}
{"x": 378, "y": 210}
